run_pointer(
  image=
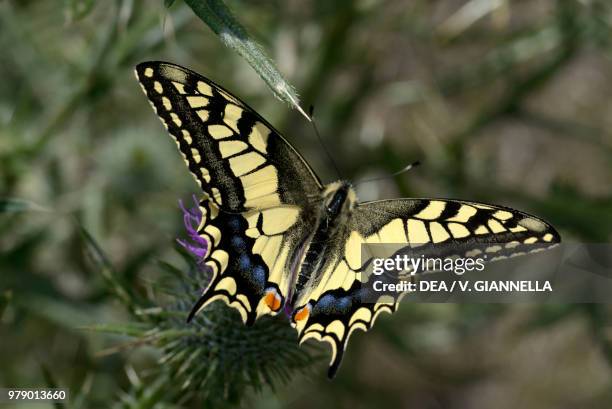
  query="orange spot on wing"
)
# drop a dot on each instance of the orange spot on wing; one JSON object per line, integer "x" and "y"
{"x": 277, "y": 303}
{"x": 303, "y": 313}
{"x": 272, "y": 300}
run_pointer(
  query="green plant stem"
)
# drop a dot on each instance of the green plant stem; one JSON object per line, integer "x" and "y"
{"x": 222, "y": 22}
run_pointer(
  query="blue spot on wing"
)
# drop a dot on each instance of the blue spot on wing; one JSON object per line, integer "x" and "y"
{"x": 332, "y": 304}
{"x": 328, "y": 304}
{"x": 259, "y": 276}
{"x": 344, "y": 303}
{"x": 238, "y": 243}
{"x": 326, "y": 301}
{"x": 254, "y": 273}
{"x": 244, "y": 261}
{"x": 234, "y": 224}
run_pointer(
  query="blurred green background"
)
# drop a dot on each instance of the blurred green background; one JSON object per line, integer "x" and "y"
{"x": 503, "y": 101}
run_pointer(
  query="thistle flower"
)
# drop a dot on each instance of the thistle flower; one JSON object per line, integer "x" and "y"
{"x": 192, "y": 218}
{"x": 213, "y": 361}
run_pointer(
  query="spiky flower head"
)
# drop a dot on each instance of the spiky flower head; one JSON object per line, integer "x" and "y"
{"x": 215, "y": 359}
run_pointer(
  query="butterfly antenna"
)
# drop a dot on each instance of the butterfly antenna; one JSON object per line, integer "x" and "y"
{"x": 399, "y": 172}
{"x": 316, "y": 130}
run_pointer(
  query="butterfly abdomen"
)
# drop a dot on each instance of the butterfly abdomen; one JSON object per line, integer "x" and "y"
{"x": 338, "y": 201}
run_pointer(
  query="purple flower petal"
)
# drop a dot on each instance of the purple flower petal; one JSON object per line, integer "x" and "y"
{"x": 192, "y": 218}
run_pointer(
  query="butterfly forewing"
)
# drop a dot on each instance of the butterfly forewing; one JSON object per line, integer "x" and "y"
{"x": 237, "y": 158}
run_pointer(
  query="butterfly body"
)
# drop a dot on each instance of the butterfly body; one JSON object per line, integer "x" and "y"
{"x": 280, "y": 240}
{"x": 335, "y": 210}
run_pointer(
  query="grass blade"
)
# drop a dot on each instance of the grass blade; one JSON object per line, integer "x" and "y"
{"x": 223, "y": 23}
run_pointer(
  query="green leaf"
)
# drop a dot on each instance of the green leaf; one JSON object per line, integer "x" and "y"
{"x": 79, "y": 9}
{"x": 105, "y": 268}
{"x": 5, "y": 300}
{"x": 69, "y": 315}
{"x": 15, "y": 205}
{"x": 132, "y": 329}
{"x": 51, "y": 383}
{"x": 231, "y": 33}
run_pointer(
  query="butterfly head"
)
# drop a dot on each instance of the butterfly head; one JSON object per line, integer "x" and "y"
{"x": 339, "y": 198}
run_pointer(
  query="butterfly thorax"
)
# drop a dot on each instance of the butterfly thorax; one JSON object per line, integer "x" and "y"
{"x": 338, "y": 201}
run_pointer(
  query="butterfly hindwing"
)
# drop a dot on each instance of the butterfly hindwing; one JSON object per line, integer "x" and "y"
{"x": 248, "y": 256}
{"x": 343, "y": 303}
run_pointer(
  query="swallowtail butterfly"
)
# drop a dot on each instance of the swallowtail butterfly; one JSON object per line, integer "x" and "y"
{"x": 279, "y": 239}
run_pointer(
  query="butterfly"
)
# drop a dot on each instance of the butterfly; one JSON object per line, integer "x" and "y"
{"x": 282, "y": 241}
